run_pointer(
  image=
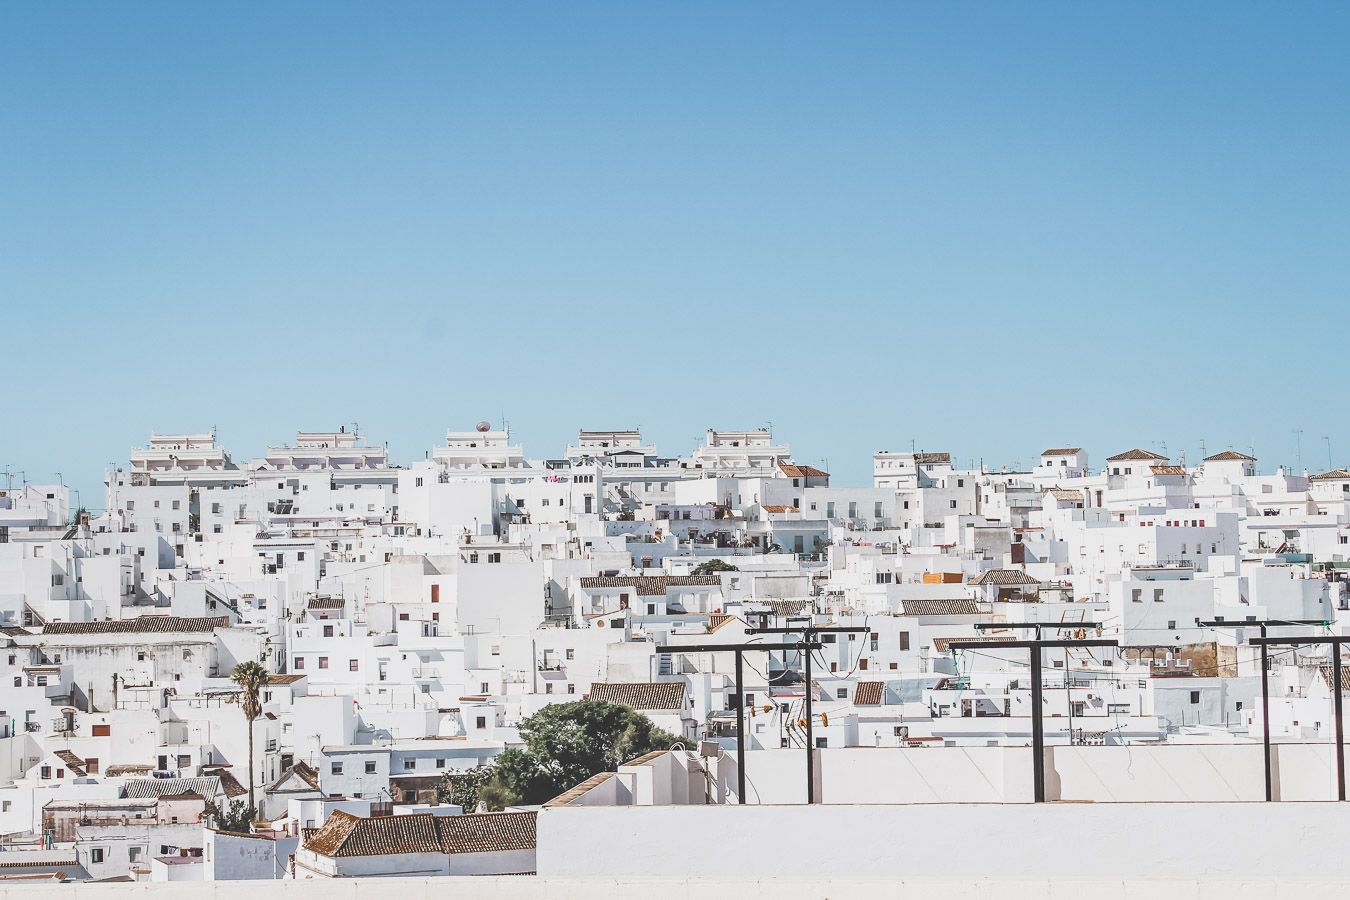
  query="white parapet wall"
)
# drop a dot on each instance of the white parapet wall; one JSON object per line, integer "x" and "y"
{"x": 901, "y": 887}
{"x": 1013, "y": 841}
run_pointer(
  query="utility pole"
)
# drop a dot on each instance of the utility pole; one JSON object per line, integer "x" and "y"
{"x": 1334, "y": 641}
{"x": 1265, "y": 676}
{"x": 740, "y": 650}
{"x": 1327, "y": 438}
{"x": 1037, "y": 646}
{"x": 1298, "y": 447}
{"x": 810, "y": 637}
{"x": 1068, "y": 687}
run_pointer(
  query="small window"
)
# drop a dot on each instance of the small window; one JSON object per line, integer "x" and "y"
{"x": 409, "y": 765}
{"x": 482, "y": 721}
{"x": 370, "y": 767}
{"x": 336, "y": 768}
{"x": 96, "y": 855}
{"x": 1195, "y": 697}
{"x": 353, "y": 665}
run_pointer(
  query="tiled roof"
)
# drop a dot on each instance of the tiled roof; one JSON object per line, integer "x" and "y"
{"x": 120, "y": 769}
{"x": 326, "y": 603}
{"x": 291, "y": 678}
{"x": 1066, "y": 494}
{"x": 782, "y": 608}
{"x": 868, "y": 693}
{"x": 943, "y": 644}
{"x": 1061, "y": 451}
{"x": 302, "y": 770}
{"x": 141, "y": 625}
{"x": 1136, "y": 454}
{"x": 347, "y": 835}
{"x": 73, "y": 762}
{"x": 1168, "y": 470}
{"x": 1230, "y": 456}
{"x": 951, "y": 607}
{"x": 1327, "y": 677}
{"x": 775, "y": 508}
{"x": 792, "y": 471}
{"x": 488, "y": 832}
{"x": 146, "y": 788}
{"x": 924, "y": 458}
{"x": 1004, "y": 576}
{"x": 1333, "y": 475}
{"x": 230, "y": 785}
{"x": 649, "y": 586}
{"x": 641, "y": 694}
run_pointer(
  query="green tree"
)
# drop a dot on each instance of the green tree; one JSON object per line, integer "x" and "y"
{"x": 235, "y": 817}
{"x": 464, "y": 788}
{"x": 250, "y": 676}
{"x": 565, "y": 744}
{"x": 712, "y": 567}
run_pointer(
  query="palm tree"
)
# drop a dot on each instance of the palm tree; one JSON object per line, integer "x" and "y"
{"x": 250, "y": 676}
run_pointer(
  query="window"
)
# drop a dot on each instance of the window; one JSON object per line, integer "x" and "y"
{"x": 1137, "y": 595}
{"x": 904, "y": 640}
{"x": 440, "y": 763}
{"x": 571, "y": 689}
{"x": 1157, "y": 595}
{"x": 1195, "y": 697}
{"x": 96, "y": 855}
{"x": 323, "y": 662}
{"x": 483, "y": 687}
{"x": 298, "y": 663}
{"x": 482, "y": 721}
{"x": 953, "y": 504}
{"x": 353, "y": 665}
{"x": 370, "y": 767}
{"x": 336, "y": 768}
{"x": 841, "y": 693}
{"x": 570, "y": 653}
{"x": 328, "y": 631}
{"x": 409, "y": 765}
{"x": 46, "y": 771}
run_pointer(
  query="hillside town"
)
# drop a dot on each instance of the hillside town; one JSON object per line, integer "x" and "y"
{"x": 282, "y": 667}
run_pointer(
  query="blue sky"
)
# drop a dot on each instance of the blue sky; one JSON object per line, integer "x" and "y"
{"x": 984, "y": 228}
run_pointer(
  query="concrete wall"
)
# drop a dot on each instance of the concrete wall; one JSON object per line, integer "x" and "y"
{"x": 996, "y": 841}
{"x": 852, "y": 886}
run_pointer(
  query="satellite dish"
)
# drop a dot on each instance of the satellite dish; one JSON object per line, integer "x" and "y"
{"x": 483, "y": 426}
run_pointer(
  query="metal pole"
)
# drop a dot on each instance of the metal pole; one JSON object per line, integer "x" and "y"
{"x": 1265, "y": 715}
{"x": 740, "y": 729}
{"x": 1037, "y": 728}
{"x": 1340, "y": 723}
{"x": 810, "y": 748}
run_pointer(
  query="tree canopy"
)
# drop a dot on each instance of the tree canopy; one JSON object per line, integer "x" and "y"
{"x": 564, "y": 744}
{"x": 712, "y": 567}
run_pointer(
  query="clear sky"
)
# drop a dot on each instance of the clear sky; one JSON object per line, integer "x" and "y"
{"x": 986, "y": 228}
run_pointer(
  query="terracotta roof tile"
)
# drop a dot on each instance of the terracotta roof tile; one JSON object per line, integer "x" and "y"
{"x": 141, "y": 625}
{"x": 1004, "y": 576}
{"x": 641, "y": 695}
{"x": 1333, "y": 475}
{"x": 73, "y": 762}
{"x": 926, "y": 458}
{"x": 347, "y": 835}
{"x": 1136, "y": 454}
{"x": 650, "y": 586}
{"x": 868, "y": 693}
{"x": 951, "y": 607}
{"x": 1230, "y": 456}
{"x": 1061, "y": 451}
{"x": 488, "y": 832}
